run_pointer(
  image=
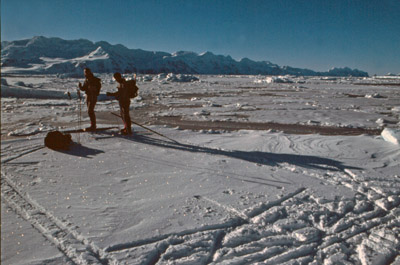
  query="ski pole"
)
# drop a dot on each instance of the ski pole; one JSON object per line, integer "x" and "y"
{"x": 144, "y": 127}
{"x": 80, "y": 114}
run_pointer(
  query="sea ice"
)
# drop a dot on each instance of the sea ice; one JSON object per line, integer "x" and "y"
{"x": 391, "y": 135}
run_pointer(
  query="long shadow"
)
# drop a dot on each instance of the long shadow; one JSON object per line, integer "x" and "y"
{"x": 80, "y": 150}
{"x": 263, "y": 158}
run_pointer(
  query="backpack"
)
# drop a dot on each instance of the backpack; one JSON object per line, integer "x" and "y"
{"x": 98, "y": 85}
{"x": 57, "y": 140}
{"x": 132, "y": 88}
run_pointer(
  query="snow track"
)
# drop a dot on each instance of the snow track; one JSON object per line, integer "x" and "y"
{"x": 77, "y": 248}
{"x": 355, "y": 231}
{"x": 297, "y": 226}
{"x": 19, "y": 152}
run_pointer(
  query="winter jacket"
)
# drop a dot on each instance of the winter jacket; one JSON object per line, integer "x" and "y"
{"x": 92, "y": 86}
{"x": 122, "y": 94}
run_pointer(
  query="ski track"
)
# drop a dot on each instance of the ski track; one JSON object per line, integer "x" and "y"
{"x": 18, "y": 152}
{"x": 277, "y": 233}
{"x": 363, "y": 230}
{"x": 298, "y": 228}
{"x": 78, "y": 249}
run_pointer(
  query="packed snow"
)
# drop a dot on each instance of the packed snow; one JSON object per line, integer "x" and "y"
{"x": 243, "y": 170}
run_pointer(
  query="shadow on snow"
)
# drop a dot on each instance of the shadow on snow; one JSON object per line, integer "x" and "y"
{"x": 263, "y": 158}
{"x": 80, "y": 150}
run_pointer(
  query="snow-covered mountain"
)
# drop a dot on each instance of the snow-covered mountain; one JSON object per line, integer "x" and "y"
{"x": 41, "y": 55}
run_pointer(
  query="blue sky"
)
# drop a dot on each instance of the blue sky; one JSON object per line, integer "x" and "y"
{"x": 313, "y": 34}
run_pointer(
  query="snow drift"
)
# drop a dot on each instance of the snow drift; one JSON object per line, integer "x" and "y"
{"x": 391, "y": 135}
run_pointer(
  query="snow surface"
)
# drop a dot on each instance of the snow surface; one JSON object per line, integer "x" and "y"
{"x": 211, "y": 196}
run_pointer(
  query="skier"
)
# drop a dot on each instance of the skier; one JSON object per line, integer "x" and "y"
{"x": 91, "y": 86}
{"x": 123, "y": 97}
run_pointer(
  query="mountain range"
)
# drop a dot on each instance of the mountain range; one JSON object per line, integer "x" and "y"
{"x": 42, "y": 55}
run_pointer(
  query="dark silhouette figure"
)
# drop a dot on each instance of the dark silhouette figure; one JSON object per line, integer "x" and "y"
{"x": 124, "y": 99}
{"x": 91, "y": 86}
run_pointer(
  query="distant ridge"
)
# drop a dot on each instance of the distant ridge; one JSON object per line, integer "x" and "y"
{"x": 41, "y": 55}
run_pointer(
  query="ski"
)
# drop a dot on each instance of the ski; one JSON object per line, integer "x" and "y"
{"x": 83, "y": 130}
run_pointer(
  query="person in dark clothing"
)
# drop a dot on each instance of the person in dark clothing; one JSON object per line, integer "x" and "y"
{"x": 122, "y": 95}
{"x": 91, "y": 86}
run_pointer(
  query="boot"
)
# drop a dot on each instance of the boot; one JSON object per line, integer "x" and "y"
{"x": 90, "y": 129}
{"x": 126, "y": 131}
{"x": 129, "y": 130}
{"x": 92, "y": 117}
